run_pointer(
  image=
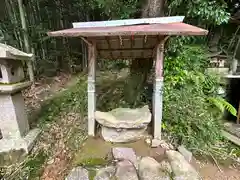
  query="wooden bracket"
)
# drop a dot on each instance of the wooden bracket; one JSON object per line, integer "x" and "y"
{"x": 165, "y": 39}
{"x": 121, "y": 41}
{"x": 86, "y": 41}
{"x": 145, "y": 38}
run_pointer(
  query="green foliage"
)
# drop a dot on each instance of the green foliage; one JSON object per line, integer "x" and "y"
{"x": 31, "y": 168}
{"x": 188, "y": 119}
{"x": 202, "y": 11}
{"x": 222, "y": 105}
{"x": 178, "y": 44}
{"x": 191, "y": 104}
{"x": 35, "y": 165}
{"x": 191, "y": 58}
{"x": 75, "y": 99}
{"x": 116, "y": 9}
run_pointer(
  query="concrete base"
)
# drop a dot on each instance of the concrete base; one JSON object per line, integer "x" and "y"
{"x": 26, "y": 143}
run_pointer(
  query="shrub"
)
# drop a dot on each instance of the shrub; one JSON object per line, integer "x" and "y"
{"x": 192, "y": 108}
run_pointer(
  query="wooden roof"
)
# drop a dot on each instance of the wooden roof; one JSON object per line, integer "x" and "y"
{"x": 9, "y": 52}
{"x": 132, "y": 30}
{"x": 132, "y": 38}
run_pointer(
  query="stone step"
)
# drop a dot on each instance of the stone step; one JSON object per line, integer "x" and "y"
{"x": 181, "y": 168}
{"x": 129, "y": 167}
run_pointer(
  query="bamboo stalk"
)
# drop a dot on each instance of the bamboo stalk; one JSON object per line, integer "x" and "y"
{"x": 25, "y": 37}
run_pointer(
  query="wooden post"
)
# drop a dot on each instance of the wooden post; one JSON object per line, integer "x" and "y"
{"x": 238, "y": 113}
{"x": 158, "y": 90}
{"x": 91, "y": 88}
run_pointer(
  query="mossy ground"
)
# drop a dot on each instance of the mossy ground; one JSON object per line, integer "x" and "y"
{"x": 97, "y": 152}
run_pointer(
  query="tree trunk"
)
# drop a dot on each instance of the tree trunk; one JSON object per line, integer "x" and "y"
{"x": 153, "y": 8}
{"x": 25, "y": 37}
{"x": 140, "y": 68}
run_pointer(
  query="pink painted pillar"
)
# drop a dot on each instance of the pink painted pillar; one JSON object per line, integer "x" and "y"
{"x": 158, "y": 90}
{"x": 91, "y": 88}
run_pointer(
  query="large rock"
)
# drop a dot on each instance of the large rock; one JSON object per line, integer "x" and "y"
{"x": 158, "y": 153}
{"x": 181, "y": 168}
{"x": 126, "y": 171}
{"x": 105, "y": 173}
{"x": 124, "y": 118}
{"x": 150, "y": 169}
{"x": 166, "y": 167}
{"x": 78, "y": 173}
{"x": 122, "y": 135}
{"x": 122, "y": 153}
{"x": 186, "y": 153}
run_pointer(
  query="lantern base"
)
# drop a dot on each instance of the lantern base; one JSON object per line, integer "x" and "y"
{"x": 26, "y": 143}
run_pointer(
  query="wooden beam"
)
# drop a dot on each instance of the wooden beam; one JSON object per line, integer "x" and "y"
{"x": 158, "y": 90}
{"x": 118, "y": 54}
{"x": 129, "y": 38}
{"x": 127, "y": 49}
{"x": 91, "y": 88}
{"x": 124, "y": 57}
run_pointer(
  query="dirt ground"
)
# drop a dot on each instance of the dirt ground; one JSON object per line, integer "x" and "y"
{"x": 210, "y": 171}
{"x": 60, "y": 160}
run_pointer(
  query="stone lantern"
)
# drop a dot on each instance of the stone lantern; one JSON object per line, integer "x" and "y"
{"x": 15, "y": 133}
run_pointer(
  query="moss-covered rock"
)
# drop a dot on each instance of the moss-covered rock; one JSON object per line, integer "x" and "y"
{"x": 91, "y": 162}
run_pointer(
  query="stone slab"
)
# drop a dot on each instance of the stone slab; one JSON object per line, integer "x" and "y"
{"x": 186, "y": 153}
{"x": 126, "y": 171}
{"x": 232, "y": 128}
{"x": 78, "y": 173}
{"x": 25, "y": 143}
{"x": 123, "y": 153}
{"x": 150, "y": 169}
{"x": 125, "y": 117}
{"x": 231, "y": 138}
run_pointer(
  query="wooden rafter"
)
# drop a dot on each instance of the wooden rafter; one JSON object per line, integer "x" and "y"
{"x": 121, "y": 44}
{"x": 109, "y": 45}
